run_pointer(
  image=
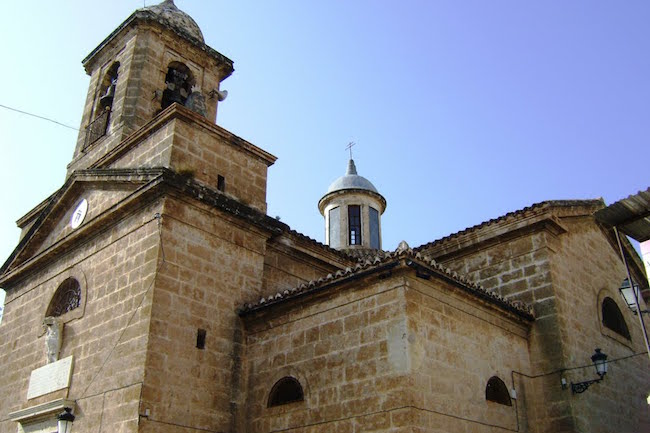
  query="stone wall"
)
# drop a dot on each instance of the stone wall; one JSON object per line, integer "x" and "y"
{"x": 288, "y": 265}
{"x": 212, "y": 264}
{"x": 149, "y": 373}
{"x": 338, "y": 349}
{"x": 207, "y": 154}
{"x": 100, "y": 200}
{"x": 398, "y": 354}
{"x": 186, "y": 143}
{"x": 457, "y": 345}
{"x": 513, "y": 258}
{"x": 585, "y": 269}
{"x": 106, "y": 335}
{"x": 561, "y": 262}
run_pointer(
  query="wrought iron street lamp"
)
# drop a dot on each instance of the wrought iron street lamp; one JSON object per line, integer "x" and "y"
{"x": 600, "y": 363}
{"x": 65, "y": 420}
{"x": 631, "y": 296}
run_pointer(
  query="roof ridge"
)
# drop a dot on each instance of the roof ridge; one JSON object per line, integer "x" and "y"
{"x": 370, "y": 265}
{"x": 318, "y": 244}
{"x": 524, "y": 210}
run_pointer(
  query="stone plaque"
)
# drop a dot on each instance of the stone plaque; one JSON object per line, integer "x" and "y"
{"x": 49, "y": 378}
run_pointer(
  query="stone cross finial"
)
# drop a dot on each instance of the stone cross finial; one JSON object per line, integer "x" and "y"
{"x": 349, "y": 147}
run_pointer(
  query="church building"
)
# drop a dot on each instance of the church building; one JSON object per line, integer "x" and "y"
{"x": 152, "y": 292}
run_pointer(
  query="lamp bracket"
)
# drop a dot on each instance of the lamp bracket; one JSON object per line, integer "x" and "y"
{"x": 580, "y": 387}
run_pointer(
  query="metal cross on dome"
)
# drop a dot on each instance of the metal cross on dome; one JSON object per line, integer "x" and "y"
{"x": 349, "y": 147}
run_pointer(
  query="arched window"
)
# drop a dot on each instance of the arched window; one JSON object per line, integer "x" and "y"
{"x": 66, "y": 298}
{"x": 285, "y": 390}
{"x": 99, "y": 125}
{"x": 497, "y": 391}
{"x": 107, "y": 89}
{"x": 178, "y": 82}
{"x": 613, "y": 318}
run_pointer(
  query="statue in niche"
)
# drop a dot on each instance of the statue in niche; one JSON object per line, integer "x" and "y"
{"x": 53, "y": 338}
{"x": 196, "y": 101}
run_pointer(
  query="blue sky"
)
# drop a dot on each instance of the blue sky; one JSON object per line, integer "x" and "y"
{"x": 462, "y": 111}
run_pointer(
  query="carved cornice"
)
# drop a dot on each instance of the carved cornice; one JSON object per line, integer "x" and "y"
{"x": 40, "y": 411}
{"x": 176, "y": 111}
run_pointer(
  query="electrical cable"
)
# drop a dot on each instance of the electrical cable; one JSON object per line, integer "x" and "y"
{"x": 558, "y": 371}
{"x": 38, "y": 117}
{"x": 157, "y": 217}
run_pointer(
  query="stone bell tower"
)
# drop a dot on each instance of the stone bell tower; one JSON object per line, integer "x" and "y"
{"x": 155, "y": 58}
{"x": 130, "y": 273}
{"x": 352, "y": 208}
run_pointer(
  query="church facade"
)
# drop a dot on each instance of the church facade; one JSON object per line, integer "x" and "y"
{"x": 152, "y": 293}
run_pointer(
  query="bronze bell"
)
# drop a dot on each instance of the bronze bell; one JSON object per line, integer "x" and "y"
{"x": 107, "y": 99}
{"x": 171, "y": 96}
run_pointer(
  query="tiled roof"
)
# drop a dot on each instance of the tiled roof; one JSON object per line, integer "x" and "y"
{"x": 218, "y": 199}
{"x": 514, "y": 214}
{"x": 403, "y": 255}
{"x": 630, "y": 215}
{"x": 361, "y": 255}
{"x": 319, "y": 245}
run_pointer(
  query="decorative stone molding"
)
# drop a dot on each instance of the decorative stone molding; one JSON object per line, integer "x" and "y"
{"x": 32, "y": 413}
{"x": 41, "y": 417}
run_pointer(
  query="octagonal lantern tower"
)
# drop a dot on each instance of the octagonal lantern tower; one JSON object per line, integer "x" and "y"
{"x": 352, "y": 208}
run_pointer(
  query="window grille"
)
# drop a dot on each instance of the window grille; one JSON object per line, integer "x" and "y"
{"x": 96, "y": 129}
{"x": 66, "y": 298}
{"x": 354, "y": 224}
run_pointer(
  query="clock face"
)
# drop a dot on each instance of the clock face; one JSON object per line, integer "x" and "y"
{"x": 79, "y": 214}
